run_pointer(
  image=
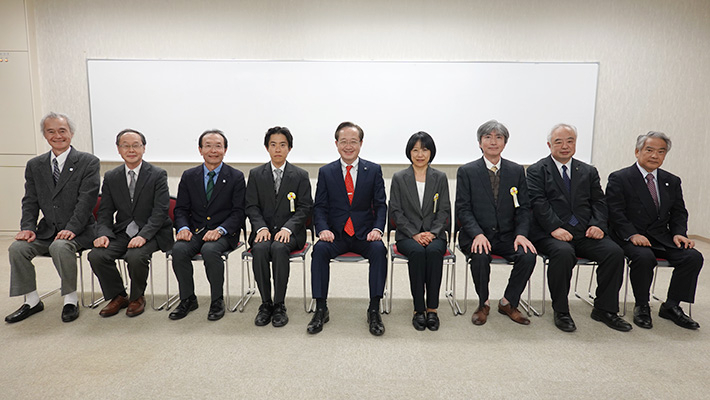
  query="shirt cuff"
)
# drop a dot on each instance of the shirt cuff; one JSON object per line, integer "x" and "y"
{"x": 283, "y": 228}
{"x": 222, "y": 231}
{"x": 183, "y": 228}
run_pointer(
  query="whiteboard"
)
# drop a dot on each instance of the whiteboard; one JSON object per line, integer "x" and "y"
{"x": 173, "y": 101}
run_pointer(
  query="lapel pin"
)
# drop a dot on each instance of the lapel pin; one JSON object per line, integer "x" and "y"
{"x": 71, "y": 169}
{"x": 224, "y": 181}
{"x": 666, "y": 183}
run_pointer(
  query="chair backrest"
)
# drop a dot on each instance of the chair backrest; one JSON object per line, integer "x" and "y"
{"x": 171, "y": 208}
{"x": 95, "y": 211}
{"x": 391, "y": 227}
{"x": 457, "y": 228}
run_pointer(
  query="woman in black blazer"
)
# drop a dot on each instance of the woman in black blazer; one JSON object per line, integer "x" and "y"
{"x": 420, "y": 210}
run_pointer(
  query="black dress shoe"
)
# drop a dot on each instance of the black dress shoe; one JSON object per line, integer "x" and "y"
{"x": 263, "y": 317}
{"x": 642, "y": 316}
{"x": 374, "y": 319}
{"x": 70, "y": 312}
{"x": 216, "y": 310}
{"x": 280, "y": 318}
{"x": 612, "y": 320}
{"x": 183, "y": 308}
{"x": 23, "y": 312}
{"x": 564, "y": 322}
{"x": 677, "y": 315}
{"x": 419, "y": 321}
{"x": 320, "y": 317}
{"x": 432, "y": 321}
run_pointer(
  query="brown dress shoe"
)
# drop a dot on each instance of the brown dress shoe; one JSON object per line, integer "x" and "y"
{"x": 114, "y": 306}
{"x": 136, "y": 307}
{"x": 513, "y": 313}
{"x": 480, "y": 316}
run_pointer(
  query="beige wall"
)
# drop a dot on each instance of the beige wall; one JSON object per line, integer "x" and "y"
{"x": 652, "y": 53}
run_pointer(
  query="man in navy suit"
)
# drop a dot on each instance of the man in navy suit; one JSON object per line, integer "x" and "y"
{"x": 349, "y": 215}
{"x": 648, "y": 219}
{"x": 494, "y": 211}
{"x": 209, "y": 214}
{"x": 136, "y": 192}
{"x": 570, "y": 221}
{"x": 63, "y": 184}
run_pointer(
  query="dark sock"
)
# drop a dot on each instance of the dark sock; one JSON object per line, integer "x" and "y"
{"x": 321, "y": 304}
{"x": 671, "y": 303}
{"x": 374, "y": 303}
{"x": 641, "y": 304}
{"x": 123, "y": 293}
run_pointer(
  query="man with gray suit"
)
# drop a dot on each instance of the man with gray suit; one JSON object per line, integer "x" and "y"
{"x": 278, "y": 203}
{"x": 493, "y": 210}
{"x": 137, "y": 194}
{"x": 63, "y": 184}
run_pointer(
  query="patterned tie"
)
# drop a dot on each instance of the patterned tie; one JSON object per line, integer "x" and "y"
{"x": 277, "y": 180}
{"x": 132, "y": 183}
{"x": 495, "y": 182}
{"x": 568, "y": 182}
{"x": 652, "y": 189}
{"x": 350, "y": 188}
{"x": 210, "y": 184}
{"x": 55, "y": 171}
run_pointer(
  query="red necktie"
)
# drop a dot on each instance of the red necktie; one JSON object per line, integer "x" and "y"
{"x": 350, "y": 188}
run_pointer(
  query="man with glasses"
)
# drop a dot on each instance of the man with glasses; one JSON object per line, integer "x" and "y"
{"x": 349, "y": 215}
{"x": 209, "y": 214}
{"x": 137, "y": 194}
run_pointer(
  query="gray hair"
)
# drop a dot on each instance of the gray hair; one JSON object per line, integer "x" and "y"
{"x": 641, "y": 140}
{"x": 493, "y": 126}
{"x": 566, "y": 126}
{"x": 53, "y": 115}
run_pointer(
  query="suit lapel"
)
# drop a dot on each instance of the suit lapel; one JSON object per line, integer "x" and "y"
{"x": 555, "y": 173}
{"x": 143, "y": 177}
{"x": 362, "y": 173}
{"x": 46, "y": 170}
{"x": 574, "y": 177}
{"x": 485, "y": 178}
{"x": 122, "y": 184}
{"x": 222, "y": 180}
{"x": 410, "y": 183}
{"x": 637, "y": 181}
{"x": 430, "y": 186}
{"x": 663, "y": 191}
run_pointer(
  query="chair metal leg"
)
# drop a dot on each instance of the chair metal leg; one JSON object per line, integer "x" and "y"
{"x": 576, "y": 283}
{"x": 450, "y": 292}
{"x": 247, "y": 292}
{"x": 308, "y": 307}
{"x": 169, "y": 300}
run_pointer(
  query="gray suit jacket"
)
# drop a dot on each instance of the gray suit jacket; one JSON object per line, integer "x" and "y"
{"x": 149, "y": 207}
{"x": 69, "y": 204}
{"x": 405, "y": 209}
{"x": 273, "y": 211}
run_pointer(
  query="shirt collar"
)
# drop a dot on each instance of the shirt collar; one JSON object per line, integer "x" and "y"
{"x": 559, "y": 165}
{"x": 273, "y": 167}
{"x": 354, "y": 164}
{"x": 205, "y": 171}
{"x": 644, "y": 172}
{"x": 61, "y": 159}
{"x": 490, "y": 165}
{"x": 137, "y": 169}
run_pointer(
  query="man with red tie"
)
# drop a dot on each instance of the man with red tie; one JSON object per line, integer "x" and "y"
{"x": 349, "y": 214}
{"x": 648, "y": 219}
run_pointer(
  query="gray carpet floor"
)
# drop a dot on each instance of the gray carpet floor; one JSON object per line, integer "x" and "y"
{"x": 150, "y": 356}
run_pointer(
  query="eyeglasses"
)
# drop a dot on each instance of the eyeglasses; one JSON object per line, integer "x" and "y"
{"x": 348, "y": 143}
{"x": 134, "y": 146}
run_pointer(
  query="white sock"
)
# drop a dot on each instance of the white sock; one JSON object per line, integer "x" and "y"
{"x": 71, "y": 298}
{"x": 32, "y": 298}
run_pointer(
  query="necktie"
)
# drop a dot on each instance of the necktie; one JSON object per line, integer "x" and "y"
{"x": 652, "y": 189}
{"x": 55, "y": 171}
{"x": 568, "y": 182}
{"x": 132, "y": 183}
{"x": 210, "y": 185}
{"x": 350, "y": 188}
{"x": 277, "y": 180}
{"x": 495, "y": 182}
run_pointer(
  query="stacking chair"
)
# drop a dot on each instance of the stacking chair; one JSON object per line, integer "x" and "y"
{"x": 170, "y": 300}
{"x": 295, "y": 256}
{"x": 589, "y": 299}
{"x": 498, "y": 260}
{"x": 660, "y": 263}
{"x": 398, "y": 258}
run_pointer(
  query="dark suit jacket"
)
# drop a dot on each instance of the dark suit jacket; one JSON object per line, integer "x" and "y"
{"x": 69, "y": 204}
{"x": 553, "y": 205}
{"x": 273, "y": 211}
{"x": 149, "y": 207}
{"x": 225, "y": 208}
{"x": 332, "y": 208}
{"x": 408, "y": 215}
{"x": 476, "y": 209}
{"x": 632, "y": 211}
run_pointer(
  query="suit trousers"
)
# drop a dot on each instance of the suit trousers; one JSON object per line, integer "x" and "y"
{"x": 425, "y": 270}
{"x": 23, "y": 278}
{"x": 686, "y": 263}
{"x": 523, "y": 266}
{"x": 375, "y": 252}
{"x": 563, "y": 258}
{"x": 276, "y": 253}
{"x": 211, "y": 252}
{"x": 103, "y": 262}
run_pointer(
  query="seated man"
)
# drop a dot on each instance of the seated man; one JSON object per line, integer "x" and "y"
{"x": 349, "y": 215}
{"x": 278, "y": 203}
{"x": 648, "y": 219}
{"x": 209, "y": 214}
{"x": 494, "y": 211}
{"x": 570, "y": 221}
{"x": 137, "y": 194}
{"x": 63, "y": 184}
